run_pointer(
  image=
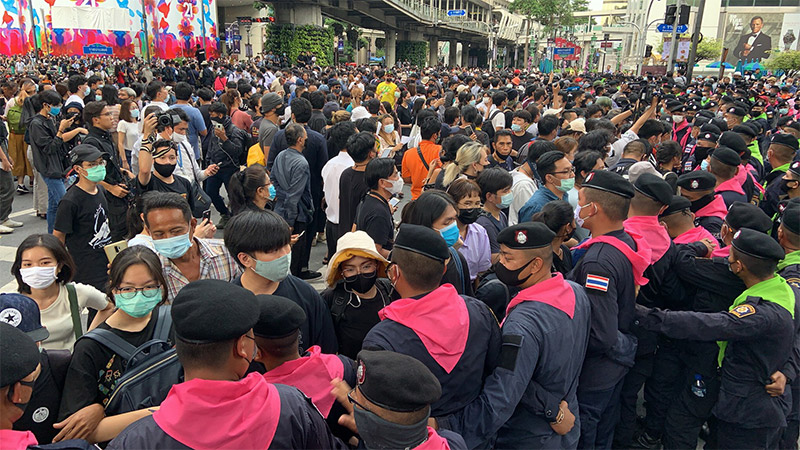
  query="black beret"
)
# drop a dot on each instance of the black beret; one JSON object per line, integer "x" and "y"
{"x": 693, "y": 106}
{"x": 654, "y": 187}
{"x": 736, "y": 111}
{"x": 708, "y": 136}
{"x": 754, "y": 125}
{"x": 747, "y": 215}
{"x": 794, "y": 125}
{"x": 711, "y": 104}
{"x": 605, "y": 180}
{"x": 790, "y": 217}
{"x": 697, "y": 180}
{"x": 278, "y": 316}
{"x": 757, "y": 244}
{"x": 710, "y": 128}
{"x": 676, "y": 107}
{"x": 745, "y": 130}
{"x": 526, "y": 235}
{"x": 785, "y": 139}
{"x": 422, "y": 240}
{"x": 699, "y": 120}
{"x": 733, "y": 141}
{"x": 395, "y": 381}
{"x": 677, "y": 204}
{"x": 726, "y": 99}
{"x": 206, "y": 311}
{"x": 726, "y": 156}
{"x": 20, "y": 354}
{"x": 720, "y": 123}
{"x": 794, "y": 167}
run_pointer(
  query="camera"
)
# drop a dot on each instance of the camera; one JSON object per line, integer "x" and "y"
{"x": 167, "y": 119}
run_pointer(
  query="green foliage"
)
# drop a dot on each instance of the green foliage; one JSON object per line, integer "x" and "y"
{"x": 380, "y": 43}
{"x": 708, "y": 49}
{"x": 258, "y": 5}
{"x": 363, "y": 43}
{"x": 550, "y": 13}
{"x": 414, "y": 52}
{"x": 304, "y": 38}
{"x": 788, "y": 62}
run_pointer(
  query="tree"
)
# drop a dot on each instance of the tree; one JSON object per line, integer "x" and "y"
{"x": 708, "y": 49}
{"x": 550, "y": 13}
{"x": 788, "y": 62}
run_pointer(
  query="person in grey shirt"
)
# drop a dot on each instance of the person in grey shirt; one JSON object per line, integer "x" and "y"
{"x": 272, "y": 108}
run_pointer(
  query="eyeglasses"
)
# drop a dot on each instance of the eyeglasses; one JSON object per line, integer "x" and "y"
{"x": 367, "y": 267}
{"x": 563, "y": 172}
{"x": 94, "y": 164}
{"x": 129, "y": 292}
{"x": 353, "y": 401}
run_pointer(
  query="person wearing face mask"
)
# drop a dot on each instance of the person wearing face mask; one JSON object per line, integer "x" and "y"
{"x": 755, "y": 335}
{"x": 724, "y": 165}
{"x": 251, "y": 189}
{"x": 216, "y": 352}
{"x": 781, "y": 151}
{"x": 681, "y": 128}
{"x": 187, "y": 166}
{"x": 520, "y": 122}
{"x": 678, "y": 219}
{"x": 260, "y": 243}
{"x": 473, "y": 241}
{"x": 44, "y": 270}
{"x": 137, "y": 288}
{"x": 78, "y": 89}
{"x": 709, "y": 208}
{"x": 496, "y": 196}
{"x": 454, "y": 336}
{"x": 706, "y": 142}
{"x": 388, "y": 137}
{"x": 503, "y": 145}
{"x": 470, "y": 160}
{"x": 529, "y": 401}
{"x": 560, "y": 219}
{"x": 168, "y": 221}
{"x": 559, "y": 178}
{"x": 374, "y": 213}
{"x": 157, "y": 166}
{"x": 790, "y": 188}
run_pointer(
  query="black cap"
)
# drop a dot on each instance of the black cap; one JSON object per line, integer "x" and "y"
{"x": 733, "y": 141}
{"x": 790, "y": 217}
{"x": 526, "y": 236}
{"x": 758, "y": 245}
{"x": 711, "y": 104}
{"x": 676, "y": 107}
{"x": 736, "y": 111}
{"x": 699, "y": 120}
{"x": 22, "y": 312}
{"x": 697, "y": 180}
{"x": 710, "y": 128}
{"x": 422, "y": 240}
{"x": 794, "y": 167}
{"x": 654, "y": 187}
{"x": 395, "y": 381}
{"x": 278, "y": 316}
{"x": 746, "y": 215}
{"x": 755, "y": 126}
{"x": 605, "y": 180}
{"x": 83, "y": 152}
{"x": 20, "y": 355}
{"x": 207, "y": 311}
{"x": 745, "y": 130}
{"x": 726, "y": 156}
{"x": 677, "y": 204}
{"x": 785, "y": 139}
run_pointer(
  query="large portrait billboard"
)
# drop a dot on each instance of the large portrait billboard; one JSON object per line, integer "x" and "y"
{"x": 753, "y": 37}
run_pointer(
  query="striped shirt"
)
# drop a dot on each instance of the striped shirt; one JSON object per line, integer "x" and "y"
{"x": 216, "y": 263}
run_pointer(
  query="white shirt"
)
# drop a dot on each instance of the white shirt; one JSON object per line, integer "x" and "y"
{"x": 74, "y": 99}
{"x": 499, "y": 119}
{"x": 331, "y": 173}
{"x": 619, "y": 145}
{"x": 187, "y": 166}
{"x": 131, "y": 132}
{"x": 523, "y": 188}
{"x": 58, "y": 319}
{"x": 752, "y": 38}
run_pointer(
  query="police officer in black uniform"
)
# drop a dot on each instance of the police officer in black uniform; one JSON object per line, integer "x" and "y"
{"x": 218, "y": 405}
{"x": 790, "y": 192}
{"x": 758, "y": 331}
{"x": 709, "y": 208}
{"x": 781, "y": 151}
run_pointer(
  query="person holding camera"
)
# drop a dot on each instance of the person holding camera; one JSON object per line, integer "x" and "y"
{"x": 226, "y": 151}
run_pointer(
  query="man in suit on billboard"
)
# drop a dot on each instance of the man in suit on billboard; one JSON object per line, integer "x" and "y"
{"x": 755, "y": 45}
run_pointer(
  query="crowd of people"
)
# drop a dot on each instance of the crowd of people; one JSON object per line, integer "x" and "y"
{"x": 512, "y": 257}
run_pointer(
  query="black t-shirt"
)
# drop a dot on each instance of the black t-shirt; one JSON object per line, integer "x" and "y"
{"x": 518, "y": 141}
{"x": 405, "y": 118}
{"x": 95, "y": 369}
{"x": 40, "y": 415}
{"x": 180, "y": 186}
{"x": 83, "y": 218}
{"x": 375, "y": 218}
{"x": 352, "y": 189}
{"x": 452, "y": 276}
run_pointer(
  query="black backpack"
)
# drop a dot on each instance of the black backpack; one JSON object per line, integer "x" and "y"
{"x": 487, "y": 126}
{"x": 150, "y": 371}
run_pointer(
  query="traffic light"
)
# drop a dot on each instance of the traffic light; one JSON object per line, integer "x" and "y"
{"x": 648, "y": 51}
{"x": 669, "y": 17}
{"x": 683, "y": 18}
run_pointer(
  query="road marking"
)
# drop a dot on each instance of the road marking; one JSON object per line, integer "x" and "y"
{"x": 22, "y": 213}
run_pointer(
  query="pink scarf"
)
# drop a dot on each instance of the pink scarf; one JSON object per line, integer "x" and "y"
{"x": 434, "y": 442}
{"x": 16, "y": 440}
{"x": 716, "y": 208}
{"x": 640, "y": 260}
{"x": 210, "y": 414}
{"x": 653, "y": 233}
{"x": 721, "y": 252}
{"x": 440, "y": 319}
{"x": 311, "y": 374}
{"x": 694, "y": 235}
{"x": 554, "y": 292}
{"x": 731, "y": 185}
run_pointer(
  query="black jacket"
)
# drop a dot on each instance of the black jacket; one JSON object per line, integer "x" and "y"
{"x": 49, "y": 157}
{"x": 227, "y": 154}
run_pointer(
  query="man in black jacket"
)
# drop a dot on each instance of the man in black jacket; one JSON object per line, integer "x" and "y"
{"x": 226, "y": 150}
{"x": 98, "y": 118}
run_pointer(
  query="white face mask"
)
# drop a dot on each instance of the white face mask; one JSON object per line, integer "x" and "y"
{"x": 178, "y": 138}
{"x": 396, "y": 187}
{"x": 677, "y": 119}
{"x": 38, "y": 277}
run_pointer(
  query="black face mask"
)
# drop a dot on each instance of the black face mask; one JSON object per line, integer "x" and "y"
{"x": 164, "y": 170}
{"x": 360, "y": 283}
{"x": 468, "y": 215}
{"x": 281, "y": 110}
{"x": 10, "y": 396}
{"x": 785, "y": 186}
{"x": 510, "y": 277}
{"x": 701, "y": 153}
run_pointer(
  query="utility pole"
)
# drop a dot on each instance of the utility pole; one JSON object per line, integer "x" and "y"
{"x": 673, "y": 49}
{"x": 698, "y": 19}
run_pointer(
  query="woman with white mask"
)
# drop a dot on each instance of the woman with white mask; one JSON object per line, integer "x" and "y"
{"x": 43, "y": 269}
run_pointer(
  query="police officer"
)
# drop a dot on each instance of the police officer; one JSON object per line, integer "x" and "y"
{"x": 709, "y": 208}
{"x": 758, "y": 331}
{"x": 277, "y": 335}
{"x": 790, "y": 190}
{"x": 456, "y": 337}
{"x": 530, "y": 400}
{"x": 678, "y": 219}
{"x": 391, "y": 403}
{"x": 19, "y": 368}
{"x": 706, "y": 141}
{"x": 724, "y": 165}
{"x": 214, "y": 322}
{"x": 781, "y": 151}
{"x": 750, "y": 168}
{"x": 610, "y": 270}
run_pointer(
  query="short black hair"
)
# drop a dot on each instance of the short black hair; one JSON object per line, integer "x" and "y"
{"x": 92, "y": 110}
{"x": 419, "y": 271}
{"x": 650, "y": 128}
{"x": 502, "y": 133}
{"x": 183, "y": 90}
{"x": 450, "y": 146}
{"x": 373, "y": 105}
{"x": 492, "y": 180}
{"x": 154, "y": 200}
{"x": 546, "y": 163}
{"x": 450, "y": 114}
{"x": 760, "y": 268}
{"x": 339, "y": 134}
{"x": 153, "y": 88}
{"x": 317, "y": 99}
{"x": 205, "y": 93}
{"x": 219, "y": 108}
{"x": 54, "y": 246}
{"x": 256, "y": 231}
{"x": 524, "y": 115}
{"x": 301, "y": 109}
{"x": 360, "y": 145}
{"x": 555, "y": 214}
{"x": 430, "y": 126}
{"x": 538, "y": 148}
{"x": 585, "y": 162}
{"x": 367, "y": 124}
{"x": 212, "y": 354}
{"x": 498, "y": 98}
{"x": 377, "y": 169}
{"x": 547, "y": 124}
{"x": 74, "y": 82}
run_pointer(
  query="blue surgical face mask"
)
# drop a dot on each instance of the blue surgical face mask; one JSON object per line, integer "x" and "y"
{"x": 450, "y": 234}
{"x": 140, "y": 305}
{"x": 515, "y": 127}
{"x": 98, "y": 97}
{"x": 704, "y": 165}
{"x": 87, "y": 91}
{"x": 275, "y": 270}
{"x": 174, "y": 247}
{"x": 135, "y": 113}
{"x": 272, "y": 192}
{"x": 472, "y": 102}
{"x": 505, "y": 201}
{"x": 55, "y": 110}
{"x": 783, "y": 111}
{"x": 389, "y": 128}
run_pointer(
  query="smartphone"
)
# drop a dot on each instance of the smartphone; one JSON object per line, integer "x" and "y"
{"x": 301, "y": 234}
{"x": 206, "y": 215}
{"x": 469, "y": 131}
{"x": 394, "y": 200}
{"x": 218, "y": 126}
{"x": 113, "y": 249}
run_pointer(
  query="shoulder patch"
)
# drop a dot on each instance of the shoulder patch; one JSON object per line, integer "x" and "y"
{"x": 512, "y": 343}
{"x": 743, "y": 310}
{"x": 597, "y": 282}
{"x": 794, "y": 282}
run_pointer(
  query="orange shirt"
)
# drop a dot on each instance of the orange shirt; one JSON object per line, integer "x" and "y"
{"x": 413, "y": 167}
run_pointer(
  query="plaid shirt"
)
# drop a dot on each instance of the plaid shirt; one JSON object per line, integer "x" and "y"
{"x": 216, "y": 263}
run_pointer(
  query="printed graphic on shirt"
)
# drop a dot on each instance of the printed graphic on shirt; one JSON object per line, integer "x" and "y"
{"x": 102, "y": 232}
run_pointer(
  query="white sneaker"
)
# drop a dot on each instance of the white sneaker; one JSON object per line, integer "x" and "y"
{"x": 5, "y": 230}
{"x": 12, "y": 223}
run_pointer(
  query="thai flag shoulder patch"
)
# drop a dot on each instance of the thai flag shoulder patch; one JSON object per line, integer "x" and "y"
{"x": 597, "y": 282}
